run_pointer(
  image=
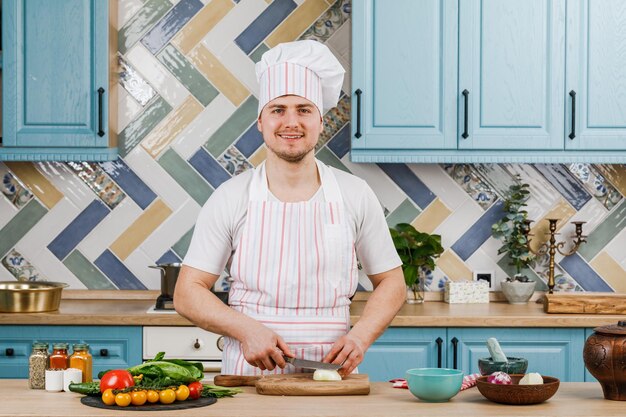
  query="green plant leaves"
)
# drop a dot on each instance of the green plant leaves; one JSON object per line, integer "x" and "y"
{"x": 510, "y": 229}
{"x": 416, "y": 249}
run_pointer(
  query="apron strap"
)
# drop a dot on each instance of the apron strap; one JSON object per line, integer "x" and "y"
{"x": 259, "y": 190}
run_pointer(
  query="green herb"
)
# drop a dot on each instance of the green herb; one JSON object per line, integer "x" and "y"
{"x": 218, "y": 392}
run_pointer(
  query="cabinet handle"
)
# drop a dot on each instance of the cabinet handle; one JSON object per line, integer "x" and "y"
{"x": 358, "y": 113}
{"x": 455, "y": 344}
{"x": 104, "y": 352}
{"x": 572, "y": 134}
{"x": 9, "y": 351}
{"x": 465, "y": 93}
{"x": 439, "y": 342}
{"x": 100, "y": 105}
{"x": 220, "y": 343}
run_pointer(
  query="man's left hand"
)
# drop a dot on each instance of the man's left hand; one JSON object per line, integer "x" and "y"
{"x": 347, "y": 350}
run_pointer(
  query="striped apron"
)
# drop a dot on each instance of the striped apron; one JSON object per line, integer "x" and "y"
{"x": 294, "y": 271}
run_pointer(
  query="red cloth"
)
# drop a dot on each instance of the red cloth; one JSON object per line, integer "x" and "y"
{"x": 468, "y": 382}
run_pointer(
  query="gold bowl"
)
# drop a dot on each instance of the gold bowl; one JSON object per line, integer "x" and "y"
{"x": 30, "y": 297}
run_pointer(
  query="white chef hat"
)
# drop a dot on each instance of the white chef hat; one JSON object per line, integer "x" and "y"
{"x": 302, "y": 68}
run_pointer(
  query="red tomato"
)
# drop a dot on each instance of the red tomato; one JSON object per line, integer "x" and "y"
{"x": 195, "y": 389}
{"x": 116, "y": 379}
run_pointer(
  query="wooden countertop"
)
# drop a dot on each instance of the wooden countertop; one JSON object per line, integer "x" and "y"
{"x": 119, "y": 308}
{"x": 573, "y": 399}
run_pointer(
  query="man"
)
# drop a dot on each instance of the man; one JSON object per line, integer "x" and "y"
{"x": 289, "y": 233}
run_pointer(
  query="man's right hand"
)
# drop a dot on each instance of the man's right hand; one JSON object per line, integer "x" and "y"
{"x": 264, "y": 348}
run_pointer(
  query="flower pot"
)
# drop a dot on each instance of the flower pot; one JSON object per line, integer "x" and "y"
{"x": 517, "y": 292}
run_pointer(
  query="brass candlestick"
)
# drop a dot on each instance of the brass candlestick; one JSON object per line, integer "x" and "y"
{"x": 552, "y": 246}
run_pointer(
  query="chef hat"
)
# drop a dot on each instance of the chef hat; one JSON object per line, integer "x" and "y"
{"x": 302, "y": 68}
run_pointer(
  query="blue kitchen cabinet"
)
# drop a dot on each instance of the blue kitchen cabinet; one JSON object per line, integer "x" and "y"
{"x": 550, "y": 351}
{"x": 553, "y": 352}
{"x": 595, "y": 74}
{"x": 55, "y": 79}
{"x": 402, "y": 348}
{"x": 535, "y": 81}
{"x": 511, "y": 65}
{"x": 112, "y": 347}
{"x": 404, "y": 75}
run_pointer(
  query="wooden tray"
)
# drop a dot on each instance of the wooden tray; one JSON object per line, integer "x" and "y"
{"x": 298, "y": 384}
{"x": 587, "y": 303}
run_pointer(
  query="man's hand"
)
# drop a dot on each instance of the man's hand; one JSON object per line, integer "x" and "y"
{"x": 264, "y": 348}
{"x": 347, "y": 350}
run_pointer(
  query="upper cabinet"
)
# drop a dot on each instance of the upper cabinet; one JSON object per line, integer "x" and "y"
{"x": 596, "y": 75}
{"x": 489, "y": 81}
{"x": 56, "y": 80}
{"x": 404, "y": 75}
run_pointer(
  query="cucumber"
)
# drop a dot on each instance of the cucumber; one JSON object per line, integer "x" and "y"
{"x": 87, "y": 388}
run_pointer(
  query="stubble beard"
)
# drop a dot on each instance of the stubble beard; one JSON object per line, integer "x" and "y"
{"x": 292, "y": 158}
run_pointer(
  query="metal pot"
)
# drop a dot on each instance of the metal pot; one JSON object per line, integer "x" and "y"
{"x": 30, "y": 296}
{"x": 169, "y": 275}
{"x": 605, "y": 358}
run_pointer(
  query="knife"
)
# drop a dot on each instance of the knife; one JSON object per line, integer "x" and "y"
{"x": 303, "y": 363}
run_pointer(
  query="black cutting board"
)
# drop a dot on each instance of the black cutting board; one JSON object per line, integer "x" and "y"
{"x": 176, "y": 405}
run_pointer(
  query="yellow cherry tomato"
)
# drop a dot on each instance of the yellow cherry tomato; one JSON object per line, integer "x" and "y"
{"x": 167, "y": 396}
{"x": 108, "y": 397}
{"x": 138, "y": 397}
{"x": 123, "y": 399}
{"x": 152, "y": 396}
{"x": 182, "y": 393}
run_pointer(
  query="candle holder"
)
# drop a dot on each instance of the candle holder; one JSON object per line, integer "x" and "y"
{"x": 552, "y": 246}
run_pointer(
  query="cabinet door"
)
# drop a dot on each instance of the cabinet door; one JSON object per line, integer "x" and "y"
{"x": 552, "y": 352}
{"x": 595, "y": 72}
{"x": 404, "y": 62}
{"x": 55, "y": 61}
{"x": 511, "y": 62}
{"x": 111, "y": 347}
{"x": 402, "y": 348}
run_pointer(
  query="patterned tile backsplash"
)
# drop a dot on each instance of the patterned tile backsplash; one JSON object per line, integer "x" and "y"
{"x": 187, "y": 116}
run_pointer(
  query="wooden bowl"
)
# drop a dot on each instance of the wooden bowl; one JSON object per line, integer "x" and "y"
{"x": 516, "y": 394}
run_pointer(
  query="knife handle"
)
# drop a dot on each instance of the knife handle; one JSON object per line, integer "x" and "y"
{"x": 236, "y": 380}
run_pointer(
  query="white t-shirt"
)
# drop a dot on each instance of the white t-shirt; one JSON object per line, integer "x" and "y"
{"x": 222, "y": 218}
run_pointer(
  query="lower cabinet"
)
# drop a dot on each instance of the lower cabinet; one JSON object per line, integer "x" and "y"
{"x": 402, "y": 348}
{"x": 111, "y": 347}
{"x": 553, "y": 352}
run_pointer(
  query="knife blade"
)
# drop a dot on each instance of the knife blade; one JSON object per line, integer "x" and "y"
{"x": 303, "y": 363}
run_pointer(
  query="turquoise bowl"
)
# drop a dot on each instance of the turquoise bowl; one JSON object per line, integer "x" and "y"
{"x": 434, "y": 385}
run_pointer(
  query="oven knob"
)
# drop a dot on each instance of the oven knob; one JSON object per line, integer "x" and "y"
{"x": 220, "y": 343}
{"x": 197, "y": 344}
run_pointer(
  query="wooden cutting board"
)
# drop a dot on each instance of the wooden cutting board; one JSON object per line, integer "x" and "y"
{"x": 299, "y": 384}
{"x": 587, "y": 303}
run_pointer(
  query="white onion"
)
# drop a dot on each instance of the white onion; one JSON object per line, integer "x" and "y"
{"x": 326, "y": 375}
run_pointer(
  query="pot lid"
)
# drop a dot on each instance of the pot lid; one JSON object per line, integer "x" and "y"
{"x": 613, "y": 329}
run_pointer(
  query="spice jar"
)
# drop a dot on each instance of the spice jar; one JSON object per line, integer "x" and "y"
{"x": 59, "y": 357}
{"x": 37, "y": 364}
{"x": 82, "y": 359}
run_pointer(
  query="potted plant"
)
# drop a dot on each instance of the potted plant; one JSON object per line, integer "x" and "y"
{"x": 418, "y": 252}
{"x": 512, "y": 230}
